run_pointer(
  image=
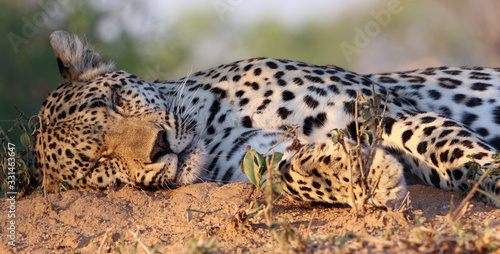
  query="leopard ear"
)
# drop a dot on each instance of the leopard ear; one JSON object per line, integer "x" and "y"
{"x": 75, "y": 61}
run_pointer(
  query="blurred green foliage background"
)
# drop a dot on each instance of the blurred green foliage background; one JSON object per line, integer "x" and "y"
{"x": 208, "y": 33}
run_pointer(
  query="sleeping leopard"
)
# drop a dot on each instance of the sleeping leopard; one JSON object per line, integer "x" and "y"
{"x": 107, "y": 127}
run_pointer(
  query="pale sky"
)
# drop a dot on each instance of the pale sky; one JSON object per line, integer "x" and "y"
{"x": 161, "y": 15}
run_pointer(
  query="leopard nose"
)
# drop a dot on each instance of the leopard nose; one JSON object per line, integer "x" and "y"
{"x": 161, "y": 146}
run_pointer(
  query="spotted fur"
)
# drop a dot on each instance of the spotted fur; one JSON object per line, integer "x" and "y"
{"x": 108, "y": 127}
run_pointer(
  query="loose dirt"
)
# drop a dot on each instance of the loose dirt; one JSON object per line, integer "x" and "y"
{"x": 85, "y": 222}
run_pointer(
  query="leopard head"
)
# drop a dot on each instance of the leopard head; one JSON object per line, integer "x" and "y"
{"x": 105, "y": 127}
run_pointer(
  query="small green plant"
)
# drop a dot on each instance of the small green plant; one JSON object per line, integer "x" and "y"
{"x": 16, "y": 163}
{"x": 367, "y": 110}
{"x": 256, "y": 166}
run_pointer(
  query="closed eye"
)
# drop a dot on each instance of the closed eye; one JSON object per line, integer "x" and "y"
{"x": 98, "y": 104}
{"x": 117, "y": 102}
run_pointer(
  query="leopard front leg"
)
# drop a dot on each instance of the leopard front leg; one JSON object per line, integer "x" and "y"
{"x": 319, "y": 172}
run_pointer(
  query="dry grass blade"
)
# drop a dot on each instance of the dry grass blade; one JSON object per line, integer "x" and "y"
{"x": 5, "y": 135}
{"x": 104, "y": 238}
{"x": 462, "y": 208}
{"x": 405, "y": 204}
{"x": 349, "y": 165}
{"x": 44, "y": 169}
{"x": 365, "y": 196}
{"x": 313, "y": 214}
{"x": 144, "y": 247}
{"x": 295, "y": 128}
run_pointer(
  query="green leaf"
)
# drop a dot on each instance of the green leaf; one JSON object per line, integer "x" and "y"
{"x": 345, "y": 132}
{"x": 367, "y": 123}
{"x": 263, "y": 185}
{"x": 260, "y": 163}
{"x": 259, "y": 159}
{"x": 366, "y": 114}
{"x": 25, "y": 139}
{"x": 277, "y": 159}
{"x": 369, "y": 136}
{"x": 248, "y": 167}
{"x": 362, "y": 97}
{"x": 335, "y": 139}
{"x": 342, "y": 133}
{"x": 22, "y": 164}
{"x": 263, "y": 170}
{"x": 356, "y": 151}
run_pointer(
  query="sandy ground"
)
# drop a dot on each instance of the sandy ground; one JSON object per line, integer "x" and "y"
{"x": 81, "y": 221}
